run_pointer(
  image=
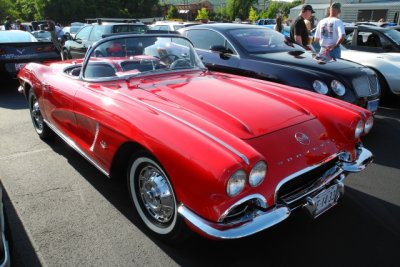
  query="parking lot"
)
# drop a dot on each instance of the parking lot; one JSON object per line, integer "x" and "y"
{"x": 64, "y": 212}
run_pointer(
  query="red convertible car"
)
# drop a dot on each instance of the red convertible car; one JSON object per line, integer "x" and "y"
{"x": 223, "y": 155}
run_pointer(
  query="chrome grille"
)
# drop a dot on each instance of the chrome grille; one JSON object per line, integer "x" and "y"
{"x": 366, "y": 85}
{"x": 373, "y": 84}
{"x": 293, "y": 191}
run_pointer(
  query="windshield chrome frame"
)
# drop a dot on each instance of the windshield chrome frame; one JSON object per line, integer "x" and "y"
{"x": 123, "y": 36}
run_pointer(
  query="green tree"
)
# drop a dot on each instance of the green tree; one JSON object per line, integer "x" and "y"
{"x": 172, "y": 12}
{"x": 7, "y": 9}
{"x": 239, "y": 8}
{"x": 253, "y": 15}
{"x": 220, "y": 13}
{"x": 26, "y": 9}
{"x": 202, "y": 14}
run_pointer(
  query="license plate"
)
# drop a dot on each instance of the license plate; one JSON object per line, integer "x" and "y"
{"x": 19, "y": 66}
{"x": 373, "y": 105}
{"x": 325, "y": 200}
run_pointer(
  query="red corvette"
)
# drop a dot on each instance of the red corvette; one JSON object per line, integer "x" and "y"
{"x": 223, "y": 155}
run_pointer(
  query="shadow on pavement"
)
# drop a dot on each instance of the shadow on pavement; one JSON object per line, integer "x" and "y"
{"x": 25, "y": 255}
{"x": 10, "y": 98}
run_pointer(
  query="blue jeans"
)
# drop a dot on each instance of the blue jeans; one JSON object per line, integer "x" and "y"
{"x": 335, "y": 53}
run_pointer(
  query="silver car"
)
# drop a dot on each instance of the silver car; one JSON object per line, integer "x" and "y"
{"x": 386, "y": 65}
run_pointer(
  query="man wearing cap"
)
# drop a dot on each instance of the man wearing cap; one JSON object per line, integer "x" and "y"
{"x": 330, "y": 32}
{"x": 298, "y": 29}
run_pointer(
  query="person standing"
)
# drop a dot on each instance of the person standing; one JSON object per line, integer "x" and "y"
{"x": 298, "y": 29}
{"x": 278, "y": 26}
{"x": 51, "y": 27}
{"x": 7, "y": 23}
{"x": 330, "y": 32}
{"x": 19, "y": 26}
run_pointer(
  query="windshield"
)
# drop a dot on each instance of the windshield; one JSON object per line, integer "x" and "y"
{"x": 394, "y": 35}
{"x": 43, "y": 34}
{"x": 257, "y": 40}
{"x": 140, "y": 55}
{"x": 129, "y": 28}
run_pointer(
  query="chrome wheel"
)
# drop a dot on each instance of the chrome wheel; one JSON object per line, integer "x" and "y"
{"x": 152, "y": 195}
{"x": 156, "y": 194}
{"x": 36, "y": 115}
{"x": 40, "y": 126}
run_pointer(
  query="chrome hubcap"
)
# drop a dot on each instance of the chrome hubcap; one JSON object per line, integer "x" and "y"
{"x": 37, "y": 116}
{"x": 156, "y": 194}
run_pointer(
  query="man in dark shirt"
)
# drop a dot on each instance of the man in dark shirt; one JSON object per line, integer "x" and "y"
{"x": 298, "y": 29}
{"x": 7, "y": 23}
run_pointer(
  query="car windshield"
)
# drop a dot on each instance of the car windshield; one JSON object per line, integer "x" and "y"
{"x": 129, "y": 28}
{"x": 42, "y": 34}
{"x": 16, "y": 37}
{"x": 122, "y": 56}
{"x": 394, "y": 35}
{"x": 257, "y": 40}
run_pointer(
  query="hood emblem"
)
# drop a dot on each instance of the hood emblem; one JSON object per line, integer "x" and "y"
{"x": 20, "y": 51}
{"x": 302, "y": 138}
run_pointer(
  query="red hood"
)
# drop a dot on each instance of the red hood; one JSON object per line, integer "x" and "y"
{"x": 239, "y": 109}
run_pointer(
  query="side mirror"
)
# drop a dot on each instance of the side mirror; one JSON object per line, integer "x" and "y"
{"x": 219, "y": 49}
{"x": 67, "y": 36}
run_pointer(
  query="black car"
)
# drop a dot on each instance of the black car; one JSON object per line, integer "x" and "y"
{"x": 20, "y": 47}
{"x": 262, "y": 53}
{"x": 77, "y": 46}
{"x": 372, "y": 39}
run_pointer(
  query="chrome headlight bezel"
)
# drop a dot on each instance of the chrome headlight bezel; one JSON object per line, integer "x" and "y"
{"x": 320, "y": 87}
{"x": 338, "y": 88}
{"x": 368, "y": 124}
{"x": 236, "y": 183}
{"x": 359, "y": 129}
{"x": 258, "y": 173}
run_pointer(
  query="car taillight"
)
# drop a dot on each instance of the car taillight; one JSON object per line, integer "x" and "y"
{"x": 2, "y": 51}
{"x": 47, "y": 48}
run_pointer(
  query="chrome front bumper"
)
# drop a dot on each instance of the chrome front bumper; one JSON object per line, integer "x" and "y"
{"x": 262, "y": 220}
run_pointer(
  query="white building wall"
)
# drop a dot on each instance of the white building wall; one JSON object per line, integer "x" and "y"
{"x": 350, "y": 8}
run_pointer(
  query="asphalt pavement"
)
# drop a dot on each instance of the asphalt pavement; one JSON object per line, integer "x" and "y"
{"x": 64, "y": 212}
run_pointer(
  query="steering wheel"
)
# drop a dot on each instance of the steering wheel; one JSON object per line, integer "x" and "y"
{"x": 180, "y": 63}
{"x": 169, "y": 58}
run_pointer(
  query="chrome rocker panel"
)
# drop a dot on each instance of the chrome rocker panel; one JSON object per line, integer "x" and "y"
{"x": 265, "y": 219}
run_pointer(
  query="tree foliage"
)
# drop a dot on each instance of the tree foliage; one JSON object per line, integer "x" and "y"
{"x": 172, "y": 13}
{"x": 77, "y": 10}
{"x": 281, "y": 8}
{"x": 253, "y": 15}
{"x": 239, "y": 8}
{"x": 202, "y": 14}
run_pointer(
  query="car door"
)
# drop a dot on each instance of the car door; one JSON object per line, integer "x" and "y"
{"x": 79, "y": 45}
{"x": 59, "y": 94}
{"x": 204, "y": 39}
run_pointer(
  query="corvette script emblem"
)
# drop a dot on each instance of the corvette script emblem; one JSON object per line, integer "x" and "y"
{"x": 302, "y": 138}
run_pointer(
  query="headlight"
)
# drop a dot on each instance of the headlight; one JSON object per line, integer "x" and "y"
{"x": 359, "y": 129}
{"x": 320, "y": 87}
{"x": 236, "y": 183}
{"x": 368, "y": 125}
{"x": 258, "y": 173}
{"x": 338, "y": 88}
